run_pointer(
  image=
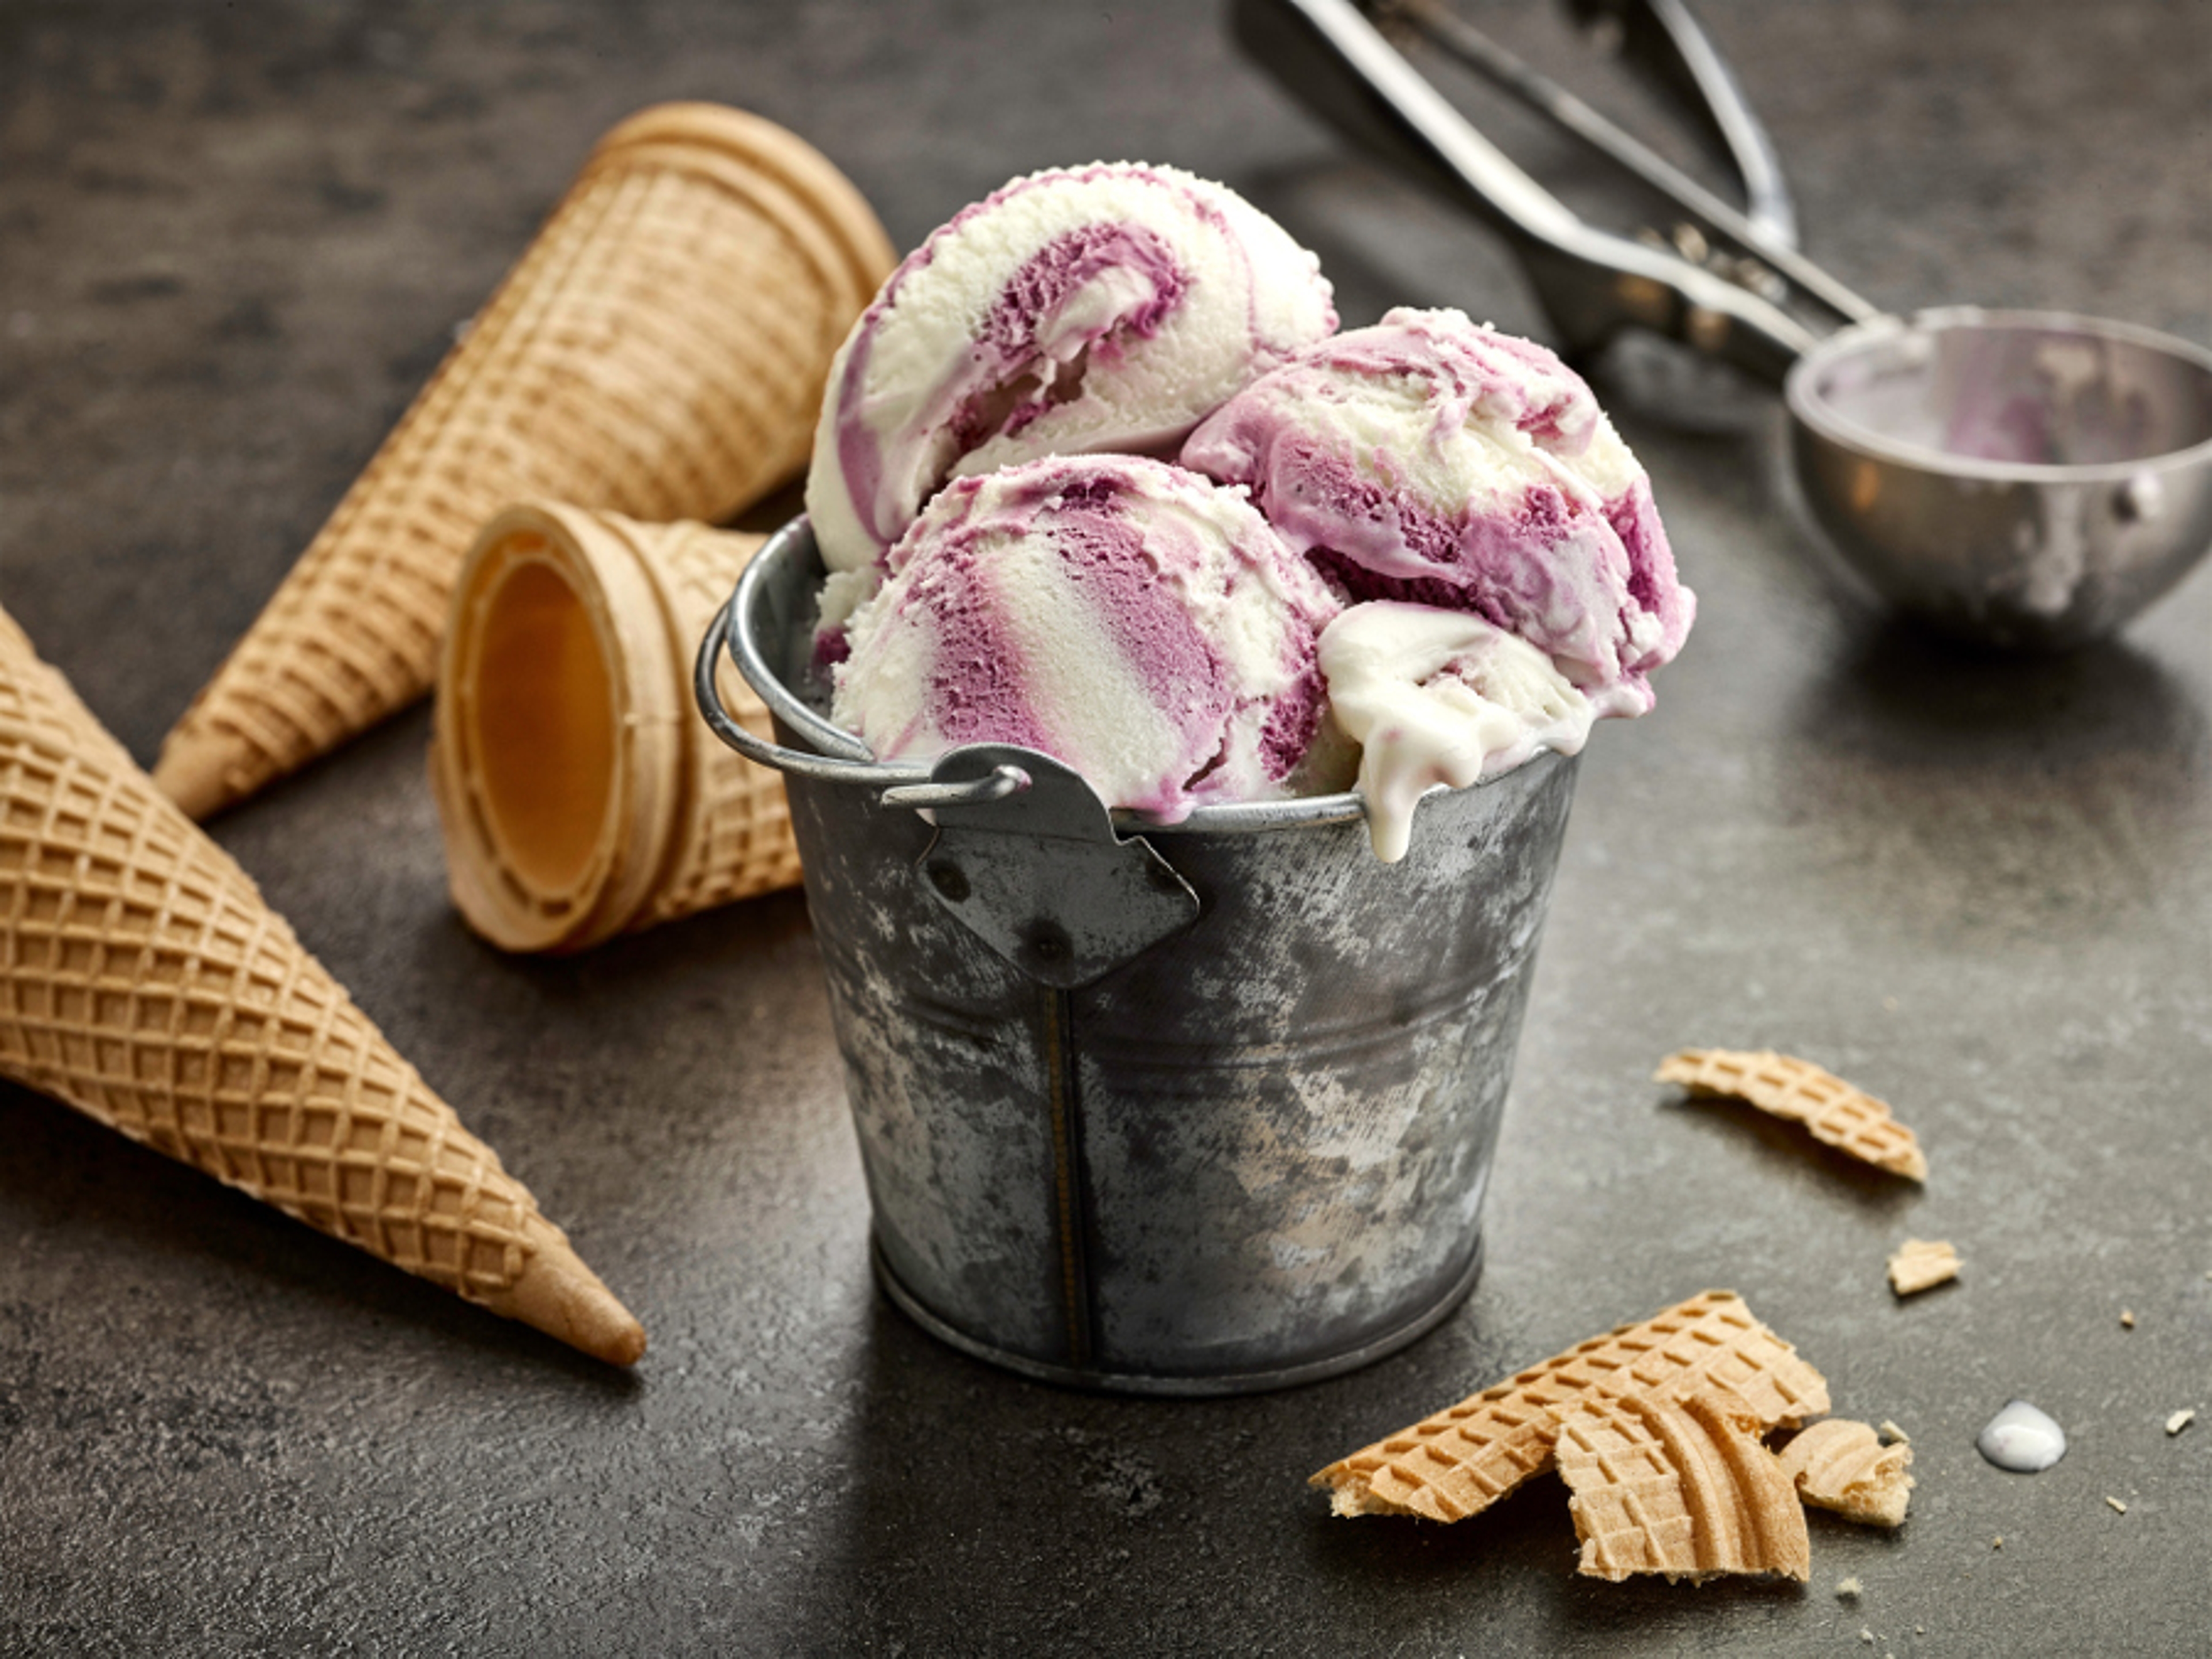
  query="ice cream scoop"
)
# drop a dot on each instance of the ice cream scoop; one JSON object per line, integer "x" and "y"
{"x": 1133, "y": 620}
{"x": 1432, "y": 461}
{"x": 1074, "y": 311}
{"x": 2018, "y": 479}
{"x": 1437, "y": 696}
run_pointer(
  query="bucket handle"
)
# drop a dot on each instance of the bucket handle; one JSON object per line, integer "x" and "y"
{"x": 908, "y": 786}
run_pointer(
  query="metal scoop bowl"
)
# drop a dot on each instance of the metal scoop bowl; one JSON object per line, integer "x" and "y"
{"x": 2017, "y": 479}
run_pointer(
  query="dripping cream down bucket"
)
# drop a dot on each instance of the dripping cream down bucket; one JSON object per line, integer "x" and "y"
{"x": 1192, "y": 1109}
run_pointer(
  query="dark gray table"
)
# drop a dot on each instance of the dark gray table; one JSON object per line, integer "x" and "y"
{"x": 232, "y": 241}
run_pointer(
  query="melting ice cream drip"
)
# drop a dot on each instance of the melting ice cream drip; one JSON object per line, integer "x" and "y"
{"x": 2022, "y": 1439}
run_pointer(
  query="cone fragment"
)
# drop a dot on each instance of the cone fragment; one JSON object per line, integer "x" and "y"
{"x": 581, "y": 794}
{"x": 1677, "y": 1487}
{"x": 145, "y": 981}
{"x": 1838, "y": 1114}
{"x": 1840, "y": 1465}
{"x": 660, "y": 350}
{"x": 1921, "y": 1264}
{"x": 1468, "y": 1456}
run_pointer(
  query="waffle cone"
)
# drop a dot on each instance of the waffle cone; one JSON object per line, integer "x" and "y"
{"x": 1678, "y": 1487}
{"x": 1843, "y": 1117}
{"x": 660, "y": 350}
{"x": 1843, "y": 1466}
{"x": 1466, "y": 1457}
{"x": 145, "y": 981}
{"x": 581, "y": 795}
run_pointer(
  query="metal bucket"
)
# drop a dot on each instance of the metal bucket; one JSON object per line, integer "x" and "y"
{"x": 1201, "y": 1110}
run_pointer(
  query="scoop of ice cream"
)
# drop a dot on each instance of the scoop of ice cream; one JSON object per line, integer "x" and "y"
{"x": 1432, "y": 461}
{"x": 1076, "y": 311}
{"x": 1131, "y": 620}
{"x": 1439, "y": 697}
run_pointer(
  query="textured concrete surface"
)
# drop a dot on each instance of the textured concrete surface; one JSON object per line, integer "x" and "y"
{"x": 232, "y": 241}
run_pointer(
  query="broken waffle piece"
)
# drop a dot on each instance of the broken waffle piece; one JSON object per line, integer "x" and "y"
{"x": 1467, "y": 1456}
{"x": 1920, "y": 1264}
{"x": 1846, "y": 1118}
{"x": 1678, "y": 1487}
{"x": 1843, "y": 1466}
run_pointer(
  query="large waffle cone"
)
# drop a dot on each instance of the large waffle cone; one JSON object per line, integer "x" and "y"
{"x": 581, "y": 794}
{"x": 1843, "y": 1116}
{"x": 1468, "y": 1455}
{"x": 145, "y": 981}
{"x": 1678, "y": 1487}
{"x": 660, "y": 350}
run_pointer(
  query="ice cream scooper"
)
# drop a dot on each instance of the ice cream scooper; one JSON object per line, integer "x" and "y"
{"x": 2014, "y": 478}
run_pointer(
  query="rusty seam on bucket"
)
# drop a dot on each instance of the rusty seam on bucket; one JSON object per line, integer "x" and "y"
{"x": 1075, "y": 1290}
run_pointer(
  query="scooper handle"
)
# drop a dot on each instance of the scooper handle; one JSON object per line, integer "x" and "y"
{"x": 1666, "y": 47}
{"x": 1592, "y": 283}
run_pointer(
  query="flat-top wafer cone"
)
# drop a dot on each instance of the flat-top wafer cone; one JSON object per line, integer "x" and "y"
{"x": 145, "y": 981}
{"x": 1677, "y": 1487}
{"x": 1838, "y": 1114}
{"x": 581, "y": 794}
{"x": 1468, "y": 1456}
{"x": 1840, "y": 1465}
{"x": 660, "y": 350}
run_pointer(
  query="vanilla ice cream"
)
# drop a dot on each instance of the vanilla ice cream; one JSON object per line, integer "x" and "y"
{"x": 1432, "y": 461}
{"x": 1076, "y": 311}
{"x": 1138, "y": 622}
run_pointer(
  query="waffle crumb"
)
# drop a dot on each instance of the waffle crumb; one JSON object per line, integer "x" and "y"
{"x": 1921, "y": 1264}
{"x": 1848, "y": 1589}
{"x": 1997, "y": 1543}
{"x": 1840, "y": 1465}
{"x": 2127, "y": 1319}
{"x": 2180, "y": 1420}
{"x": 1892, "y": 1435}
{"x": 2118, "y": 1506}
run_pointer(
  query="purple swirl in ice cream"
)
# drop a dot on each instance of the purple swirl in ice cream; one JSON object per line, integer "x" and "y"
{"x": 1431, "y": 461}
{"x": 1081, "y": 310}
{"x": 1134, "y": 621}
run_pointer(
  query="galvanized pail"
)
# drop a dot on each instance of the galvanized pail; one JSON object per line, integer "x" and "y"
{"x": 1188, "y": 1110}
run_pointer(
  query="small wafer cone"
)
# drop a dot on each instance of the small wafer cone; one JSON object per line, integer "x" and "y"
{"x": 1838, "y": 1114}
{"x": 580, "y": 792}
{"x": 1840, "y": 1465}
{"x": 145, "y": 981}
{"x": 660, "y": 350}
{"x": 1677, "y": 1487}
{"x": 1468, "y": 1456}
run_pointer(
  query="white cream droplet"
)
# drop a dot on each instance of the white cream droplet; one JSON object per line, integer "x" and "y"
{"x": 2022, "y": 1439}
